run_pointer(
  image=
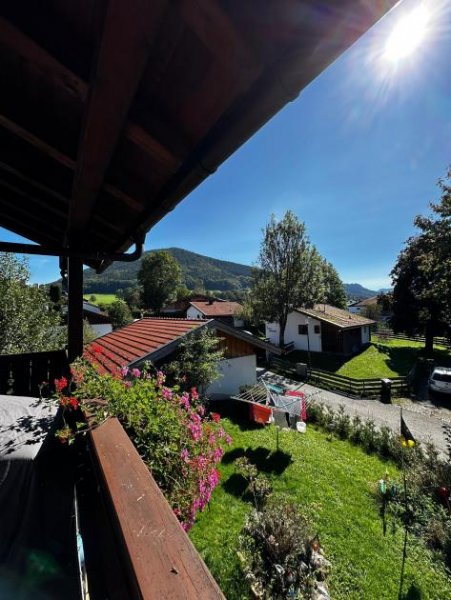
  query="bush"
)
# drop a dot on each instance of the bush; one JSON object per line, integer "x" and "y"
{"x": 278, "y": 556}
{"x": 177, "y": 442}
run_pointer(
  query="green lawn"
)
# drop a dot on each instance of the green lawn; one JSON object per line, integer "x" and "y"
{"x": 101, "y": 298}
{"x": 334, "y": 483}
{"x": 383, "y": 358}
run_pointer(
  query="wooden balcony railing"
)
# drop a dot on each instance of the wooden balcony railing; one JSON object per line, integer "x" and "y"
{"x": 22, "y": 374}
{"x": 155, "y": 556}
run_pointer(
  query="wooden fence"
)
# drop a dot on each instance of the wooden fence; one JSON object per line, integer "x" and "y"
{"x": 360, "y": 388}
{"x": 23, "y": 374}
{"x": 384, "y": 334}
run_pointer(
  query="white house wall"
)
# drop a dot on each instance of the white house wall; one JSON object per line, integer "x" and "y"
{"x": 193, "y": 313}
{"x": 235, "y": 372}
{"x": 301, "y": 342}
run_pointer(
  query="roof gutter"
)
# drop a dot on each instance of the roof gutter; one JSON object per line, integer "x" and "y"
{"x": 99, "y": 257}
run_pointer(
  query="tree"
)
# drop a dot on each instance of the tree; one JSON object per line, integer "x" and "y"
{"x": 334, "y": 290}
{"x": 120, "y": 314}
{"x": 159, "y": 275}
{"x": 197, "y": 363}
{"x": 27, "y": 322}
{"x": 132, "y": 296}
{"x": 289, "y": 273}
{"x": 55, "y": 295}
{"x": 421, "y": 277}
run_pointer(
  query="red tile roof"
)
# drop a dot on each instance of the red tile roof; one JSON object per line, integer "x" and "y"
{"x": 217, "y": 309}
{"x": 123, "y": 346}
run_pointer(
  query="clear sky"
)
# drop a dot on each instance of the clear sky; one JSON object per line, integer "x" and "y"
{"x": 356, "y": 157}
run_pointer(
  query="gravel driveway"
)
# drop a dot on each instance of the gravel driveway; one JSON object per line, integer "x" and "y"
{"x": 424, "y": 420}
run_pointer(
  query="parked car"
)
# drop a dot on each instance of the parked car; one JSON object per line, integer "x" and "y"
{"x": 440, "y": 380}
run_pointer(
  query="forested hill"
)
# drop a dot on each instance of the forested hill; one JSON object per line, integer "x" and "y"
{"x": 198, "y": 271}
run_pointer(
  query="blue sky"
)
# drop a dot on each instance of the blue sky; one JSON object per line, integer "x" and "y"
{"x": 356, "y": 157}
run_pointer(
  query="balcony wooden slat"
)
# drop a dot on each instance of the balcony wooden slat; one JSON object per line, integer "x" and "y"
{"x": 162, "y": 560}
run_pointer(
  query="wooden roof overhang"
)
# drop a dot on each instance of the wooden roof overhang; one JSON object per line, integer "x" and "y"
{"x": 111, "y": 112}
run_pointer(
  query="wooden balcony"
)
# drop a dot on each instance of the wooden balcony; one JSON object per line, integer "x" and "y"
{"x": 23, "y": 374}
{"x": 134, "y": 546}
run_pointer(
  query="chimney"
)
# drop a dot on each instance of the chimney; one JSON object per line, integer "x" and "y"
{"x": 211, "y": 300}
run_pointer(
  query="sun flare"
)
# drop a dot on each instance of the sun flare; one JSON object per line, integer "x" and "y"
{"x": 407, "y": 35}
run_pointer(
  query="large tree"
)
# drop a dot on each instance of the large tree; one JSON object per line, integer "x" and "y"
{"x": 159, "y": 276}
{"x": 421, "y": 299}
{"x": 27, "y": 321}
{"x": 289, "y": 272}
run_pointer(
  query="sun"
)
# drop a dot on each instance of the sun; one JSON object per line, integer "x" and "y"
{"x": 407, "y": 35}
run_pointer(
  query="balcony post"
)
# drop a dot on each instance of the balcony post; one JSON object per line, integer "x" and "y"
{"x": 75, "y": 308}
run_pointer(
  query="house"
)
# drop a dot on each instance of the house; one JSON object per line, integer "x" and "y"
{"x": 362, "y": 306}
{"x": 98, "y": 320}
{"x": 359, "y": 307}
{"x": 221, "y": 310}
{"x": 324, "y": 328}
{"x": 156, "y": 339}
{"x": 179, "y": 307}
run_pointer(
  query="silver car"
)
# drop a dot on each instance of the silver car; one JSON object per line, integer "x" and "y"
{"x": 440, "y": 380}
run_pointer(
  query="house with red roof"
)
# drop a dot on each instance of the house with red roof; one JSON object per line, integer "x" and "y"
{"x": 221, "y": 310}
{"x": 156, "y": 339}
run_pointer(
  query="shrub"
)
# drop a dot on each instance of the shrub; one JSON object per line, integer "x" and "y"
{"x": 343, "y": 424}
{"x": 177, "y": 442}
{"x": 258, "y": 485}
{"x": 277, "y": 555}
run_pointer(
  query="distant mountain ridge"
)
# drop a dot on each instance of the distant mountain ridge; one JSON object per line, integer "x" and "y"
{"x": 197, "y": 271}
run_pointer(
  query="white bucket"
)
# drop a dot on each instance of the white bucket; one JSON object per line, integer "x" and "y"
{"x": 301, "y": 426}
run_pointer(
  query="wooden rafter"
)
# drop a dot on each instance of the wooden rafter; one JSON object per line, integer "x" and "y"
{"x": 63, "y": 159}
{"x": 126, "y": 42}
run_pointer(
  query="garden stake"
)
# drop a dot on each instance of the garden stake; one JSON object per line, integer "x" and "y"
{"x": 408, "y": 441}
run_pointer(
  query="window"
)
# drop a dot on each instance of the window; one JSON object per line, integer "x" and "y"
{"x": 317, "y": 329}
{"x": 302, "y": 330}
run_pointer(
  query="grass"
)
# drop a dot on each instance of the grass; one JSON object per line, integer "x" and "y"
{"x": 101, "y": 298}
{"x": 383, "y": 358}
{"x": 334, "y": 483}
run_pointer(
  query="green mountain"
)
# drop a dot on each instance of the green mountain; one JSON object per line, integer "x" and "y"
{"x": 355, "y": 291}
{"x": 198, "y": 271}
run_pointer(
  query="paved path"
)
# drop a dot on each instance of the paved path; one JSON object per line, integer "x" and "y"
{"x": 425, "y": 423}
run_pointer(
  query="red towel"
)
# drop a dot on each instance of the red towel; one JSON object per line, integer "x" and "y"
{"x": 260, "y": 414}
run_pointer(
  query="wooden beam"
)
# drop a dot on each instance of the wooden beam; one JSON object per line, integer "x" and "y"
{"x": 75, "y": 308}
{"x": 129, "y": 30}
{"x": 61, "y": 158}
{"x": 54, "y": 194}
{"x": 64, "y": 78}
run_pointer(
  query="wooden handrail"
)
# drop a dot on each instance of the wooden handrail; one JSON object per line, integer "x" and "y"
{"x": 163, "y": 562}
